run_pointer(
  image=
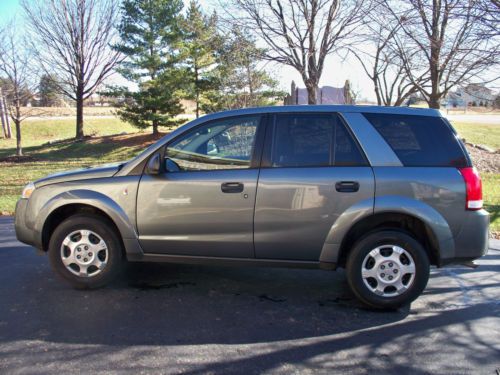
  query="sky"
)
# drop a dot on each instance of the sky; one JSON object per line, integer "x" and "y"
{"x": 335, "y": 73}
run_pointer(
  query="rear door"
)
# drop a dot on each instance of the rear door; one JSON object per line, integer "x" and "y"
{"x": 312, "y": 171}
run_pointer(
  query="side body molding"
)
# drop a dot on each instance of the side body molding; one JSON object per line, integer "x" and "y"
{"x": 97, "y": 200}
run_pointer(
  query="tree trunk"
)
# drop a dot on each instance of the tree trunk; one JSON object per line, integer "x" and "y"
{"x": 155, "y": 127}
{"x": 399, "y": 102}
{"x": 6, "y": 118}
{"x": 434, "y": 101}
{"x": 311, "y": 93}
{"x": 79, "y": 117}
{"x": 434, "y": 70}
{"x": 250, "y": 84}
{"x": 197, "y": 104}
{"x": 17, "y": 121}
{"x": 377, "y": 95}
{"x": 197, "y": 89}
{"x": 19, "y": 149}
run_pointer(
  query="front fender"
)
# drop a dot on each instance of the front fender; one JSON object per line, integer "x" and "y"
{"x": 90, "y": 198}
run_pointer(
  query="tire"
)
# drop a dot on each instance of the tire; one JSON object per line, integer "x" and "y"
{"x": 94, "y": 240}
{"x": 378, "y": 278}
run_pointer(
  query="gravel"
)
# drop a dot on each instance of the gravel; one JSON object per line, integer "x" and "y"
{"x": 484, "y": 160}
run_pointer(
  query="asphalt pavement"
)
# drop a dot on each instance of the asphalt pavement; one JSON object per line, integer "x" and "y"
{"x": 227, "y": 320}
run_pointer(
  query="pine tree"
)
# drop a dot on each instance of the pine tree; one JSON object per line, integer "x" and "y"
{"x": 149, "y": 36}
{"x": 48, "y": 90}
{"x": 242, "y": 79}
{"x": 199, "y": 52}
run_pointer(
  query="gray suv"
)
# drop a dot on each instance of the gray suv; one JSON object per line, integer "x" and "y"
{"x": 382, "y": 192}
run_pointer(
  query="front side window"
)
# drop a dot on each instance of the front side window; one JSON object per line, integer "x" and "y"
{"x": 220, "y": 144}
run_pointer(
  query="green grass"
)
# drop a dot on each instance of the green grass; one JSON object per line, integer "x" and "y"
{"x": 491, "y": 197}
{"x": 50, "y": 158}
{"x": 483, "y": 134}
{"x": 36, "y": 132}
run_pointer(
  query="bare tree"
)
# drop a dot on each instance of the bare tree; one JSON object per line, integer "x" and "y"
{"x": 302, "y": 33}
{"x": 491, "y": 17}
{"x": 380, "y": 58}
{"x": 17, "y": 78}
{"x": 72, "y": 39}
{"x": 445, "y": 41}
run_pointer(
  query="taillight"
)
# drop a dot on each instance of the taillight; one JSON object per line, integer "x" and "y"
{"x": 473, "y": 188}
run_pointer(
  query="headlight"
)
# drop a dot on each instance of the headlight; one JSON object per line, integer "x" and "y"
{"x": 28, "y": 190}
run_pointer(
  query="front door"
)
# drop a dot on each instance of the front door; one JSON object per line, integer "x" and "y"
{"x": 203, "y": 203}
{"x": 313, "y": 170}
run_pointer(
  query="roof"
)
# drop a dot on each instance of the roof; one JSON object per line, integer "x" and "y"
{"x": 325, "y": 108}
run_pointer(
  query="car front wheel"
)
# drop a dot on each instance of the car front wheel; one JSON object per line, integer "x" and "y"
{"x": 387, "y": 269}
{"x": 85, "y": 251}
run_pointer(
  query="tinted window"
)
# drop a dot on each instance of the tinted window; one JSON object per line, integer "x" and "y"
{"x": 420, "y": 140}
{"x": 347, "y": 152}
{"x": 302, "y": 140}
{"x": 224, "y": 144}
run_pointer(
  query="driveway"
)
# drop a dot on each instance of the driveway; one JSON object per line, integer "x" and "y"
{"x": 202, "y": 320}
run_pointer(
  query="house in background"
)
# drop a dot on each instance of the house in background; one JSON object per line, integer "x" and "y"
{"x": 472, "y": 95}
{"x": 324, "y": 95}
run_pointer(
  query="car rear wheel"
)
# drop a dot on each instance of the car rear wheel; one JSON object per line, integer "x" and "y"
{"x": 387, "y": 269}
{"x": 85, "y": 251}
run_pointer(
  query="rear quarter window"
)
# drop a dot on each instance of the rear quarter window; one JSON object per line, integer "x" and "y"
{"x": 420, "y": 141}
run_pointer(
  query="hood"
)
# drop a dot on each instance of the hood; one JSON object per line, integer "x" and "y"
{"x": 101, "y": 171}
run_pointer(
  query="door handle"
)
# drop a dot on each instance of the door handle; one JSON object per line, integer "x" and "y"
{"x": 232, "y": 187}
{"x": 347, "y": 186}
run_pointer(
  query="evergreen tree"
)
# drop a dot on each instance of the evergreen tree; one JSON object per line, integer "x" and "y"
{"x": 149, "y": 36}
{"x": 199, "y": 48}
{"x": 242, "y": 79}
{"x": 48, "y": 90}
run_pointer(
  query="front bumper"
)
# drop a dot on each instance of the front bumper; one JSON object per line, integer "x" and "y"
{"x": 23, "y": 233}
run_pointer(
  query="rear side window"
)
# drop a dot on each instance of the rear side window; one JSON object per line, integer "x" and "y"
{"x": 420, "y": 141}
{"x": 302, "y": 140}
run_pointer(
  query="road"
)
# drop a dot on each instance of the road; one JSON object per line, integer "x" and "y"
{"x": 202, "y": 320}
{"x": 474, "y": 118}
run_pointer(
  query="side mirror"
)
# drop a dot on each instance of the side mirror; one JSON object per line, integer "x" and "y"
{"x": 154, "y": 164}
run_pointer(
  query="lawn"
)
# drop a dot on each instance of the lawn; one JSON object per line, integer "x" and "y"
{"x": 483, "y": 134}
{"x": 102, "y": 148}
{"x": 45, "y": 158}
{"x": 38, "y": 131}
{"x": 491, "y": 197}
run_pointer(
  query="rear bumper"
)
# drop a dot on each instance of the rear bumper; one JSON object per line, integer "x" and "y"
{"x": 472, "y": 241}
{"x": 23, "y": 233}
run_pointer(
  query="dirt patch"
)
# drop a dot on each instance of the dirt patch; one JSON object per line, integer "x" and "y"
{"x": 484, "y": 161}
{"x": 128, "y": 140}
{"x": 18, "y": 159}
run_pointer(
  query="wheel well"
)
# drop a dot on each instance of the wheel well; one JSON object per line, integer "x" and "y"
{"x": 394, "y": 221}
{"x": 60, "y": 214}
